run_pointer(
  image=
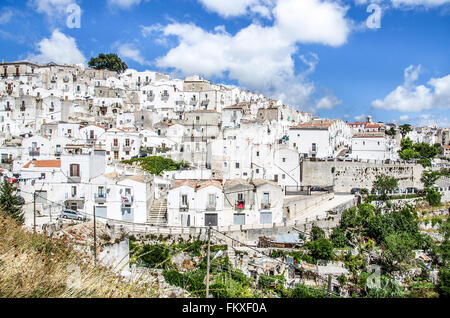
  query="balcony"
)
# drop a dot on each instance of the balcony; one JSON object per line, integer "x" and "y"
{"x": 127, "y": 199}
{"x": 265, "y": 206}
{"x": 58, "y": 152}
{"x": 239, "y": 205}
{"x": 180, "y": 102}
{"x": 74, "y": 197}
{"x": 164, "y": 96}
{"x": 34, "y": 152}
{"x": 74, "y": 179}
{"x": 211, "y": 207}
{"x": 127, "y": 148}
{"x": 115, "y": 147}
{"x": 184, "y": 207}
{"x": 22, "y": 109}
{"x": 100, "y": 197}
{"x": 205, "y": 102}
{"x": 194, "y": 101}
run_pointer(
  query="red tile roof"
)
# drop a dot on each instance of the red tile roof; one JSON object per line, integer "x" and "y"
{"x": 44, "y": 164}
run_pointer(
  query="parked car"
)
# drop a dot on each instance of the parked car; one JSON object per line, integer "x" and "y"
{"x": 73, "y": 215}
{"x": 412, "y": 190}
{"x": 143, "y": 155}
{"x": 355, "y": 190}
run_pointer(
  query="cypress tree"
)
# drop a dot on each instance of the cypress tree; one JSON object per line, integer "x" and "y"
{"x": 10, "y": 203}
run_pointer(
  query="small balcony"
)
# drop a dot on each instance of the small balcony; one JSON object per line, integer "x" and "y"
{"x": 265, "y": 206}
{"x": 74, "y": 179}
{"x": 100, "y": 197}
{"x": 193, "y": 101}
{"x": 239, "y": 205}
{"x": 34, "y": 152}
{"x": 127, "y": 199}
{"x": 127, "y": 148}
{"x": 184, "y": 207}
{"x": 205, "y": 102}
{"x": 115, "y": 147}
{"x": 164, "y": 96}
{"x": 180, "y": 102}
{"x": 211, "y": 207}
{"x": 58, "y": 152}
{"x": 22, "y": 109}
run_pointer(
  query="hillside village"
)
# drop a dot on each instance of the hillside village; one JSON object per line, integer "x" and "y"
{"x": 147, "y": 154}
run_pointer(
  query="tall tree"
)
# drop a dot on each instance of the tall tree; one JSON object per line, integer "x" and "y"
{"x": 384, "y": 184}
{"x": 405, "y": 129}
{"x": 110, "y": 62}
{"x": 429, "y": 177}
{"x": 10, "y": 203}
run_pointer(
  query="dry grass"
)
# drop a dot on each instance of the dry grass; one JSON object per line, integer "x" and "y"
{"x": 35, "y": 266}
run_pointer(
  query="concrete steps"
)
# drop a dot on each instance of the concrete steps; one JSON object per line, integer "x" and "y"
{"x": 158, "y": 212}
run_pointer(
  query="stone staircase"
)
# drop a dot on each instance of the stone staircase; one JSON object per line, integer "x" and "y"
{"x": 157, "y": 214}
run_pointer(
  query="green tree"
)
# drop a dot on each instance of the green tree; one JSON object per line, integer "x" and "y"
{"x": 433, "y": 197}
{"x": 321, "y": 249}
{"x": 384, "y": 184}
{"x": 338, "y": 237}
{"x": 110, "y": 62}
{"x": 317, "y": 233}
{"x": 408, "y": 154}
{"x": 10, "y": 203}
{"x": 429, "y": 177}
{"x": 405, "y": 129}
{"x": 398, "y": 247}
{"x": 444, "y": 283}
{"x": 425, "y": 150}
{"x": 391, "y": 132}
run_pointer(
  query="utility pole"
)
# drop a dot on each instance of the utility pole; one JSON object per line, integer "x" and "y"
{"x": 329, "y": 286}
{"x": 207, "y": 262}
{"x": 34, "y": 211}
{"x": 95, "y": 238}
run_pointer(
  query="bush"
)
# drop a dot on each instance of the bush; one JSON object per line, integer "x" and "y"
{"x": 433, "y": 197}
{"x": 444, "y": 283}
{"x": 317, "y": 232}
{"x": 338, "y": 238}
{"x": 303, "y": 291}
{"x": 320, "y": 249}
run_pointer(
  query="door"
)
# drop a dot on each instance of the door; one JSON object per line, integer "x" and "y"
{"x": 239, "y": 219}
{"x": 266, "y": 217}
{"x": 101, "y": 211}
{"x": 185, "y": 220}
{"x": 211, "y": 219}
{"x": 127, "y": 214}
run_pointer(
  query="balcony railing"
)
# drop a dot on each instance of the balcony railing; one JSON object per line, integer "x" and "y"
{"x": 205, "y": 102}
{"x": 115, "y": 148}
{"x": 100, "y": 197}
{"x": 127, "y": 199}
{"x": 211, "y": 207}
{"x": 164, "y": 96}
{"x": 126, "y": 148}
{"x": 265, "y": 206}
{"x": 34, "y": 152}
{"x": 239, "y": 205}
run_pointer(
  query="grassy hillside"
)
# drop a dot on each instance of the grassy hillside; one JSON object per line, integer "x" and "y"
{"x": 34, "y": 266}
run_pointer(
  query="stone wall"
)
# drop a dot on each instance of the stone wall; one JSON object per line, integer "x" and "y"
{"x": 357, "y": 174}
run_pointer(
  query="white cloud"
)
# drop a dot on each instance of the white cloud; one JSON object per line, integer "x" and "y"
{"x": 415, "y": 98}
{"x": 52, "y": 8}
{"x": 328, "y": 102}
{"x": 123, "y": 4}
{"x": 6, "y": 16}
{"x": 260, "y": 57}
{"x": 232, "y": 8}
{"x": 404, "y": 118}
{"x": 59, "y": 48}
{"x": 360, "y": 118}
{"x": 413, "y": 3}
{"x": 430, "y": 120}
{"x": 130, "y": 52}
{"x": 405, "y": 3}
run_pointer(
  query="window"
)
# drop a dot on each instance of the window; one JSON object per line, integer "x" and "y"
{"x": 127, "y": 191}
{"x": 127, "y": 153}
{"x": 74, "y": 170}
{"x": 266, "y": 198}
{"x": 314, "y": 147}
{"x": 284, "y": 159}
{"x": 74, "y": 191}
{"x": 257, "y": 154}
{"x": 127, "y": 142}
{"x": 184, "y": 199}
{"x": 42, "y": 175}
{"x": 92, "y": 134}
{"x": 224, "y": 164}
{"x": 283, "y": 176}
{"x": 240, "y": 197}
{"x": 116, "y": 155}
{"x": 257, "y": 170}
{"x": 116, "y": 142}
{"x": 212, "y": 200}
{"x": 237, "y": 165}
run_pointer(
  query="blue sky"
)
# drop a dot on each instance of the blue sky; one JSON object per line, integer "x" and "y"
{"x": 316, "y": 55}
